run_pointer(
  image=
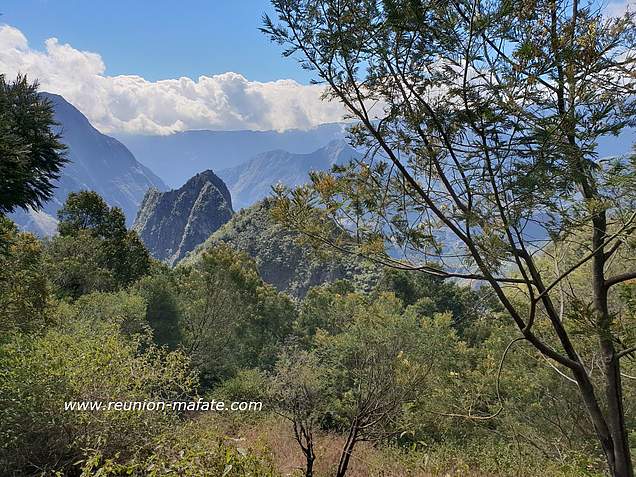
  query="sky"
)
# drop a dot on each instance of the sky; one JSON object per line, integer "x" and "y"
{"x": 160, "y": 66}
{"x": 156, "y": 67}
{"x": 159, "y": 39}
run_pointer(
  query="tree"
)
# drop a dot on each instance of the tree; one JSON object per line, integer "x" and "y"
{"x": 74, "y": 265}
{"x": 230, "y": 319}
{"x": 376, "y": 368}
{"x": 24, "y": 289}
{"x": 329, "y": 308}
{"x": 110, "y": 252}
{"x": 87, "y": 210}
{"x": 433, "y": 294}
{"x": 88, "y": 356}
{"x": 160, "y": 291}
{"x": 300, "y": 391}
{"x": 31, "y": 154}
{"x": 482, "y": 122}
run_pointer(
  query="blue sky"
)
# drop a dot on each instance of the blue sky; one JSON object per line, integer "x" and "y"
{"x": 160, "y": 66}
{"x": 156, "y": 67}
{"x": 159, "y": 39}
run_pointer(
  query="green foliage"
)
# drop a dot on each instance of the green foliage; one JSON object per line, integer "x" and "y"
{"x": 121, "y": 250}
{"x": 247, "y": 385}
{"x": 432, "y": 295}
{"x": 94, "y": 251}
{"x": 127, "y": 257}
{"x": 86, "y": 358}
{"x": 281, "y": 256}
{"x": 86, "y": 210}
{"x": 382, "y": 363}
{"x": 75, "y": 265}
{"x": 126, "y": 310}
{"x": 32, "y": 154}
{"x": 24, "y": 290}
{"x": 230, "y": 319}
{"x": 299, "y": 388}
{"x": 329, "y": 308}
{"x": 193, "y": 451}
{"x": 160, "y": 291}
{"x": 486, "y": 148}
{"x": 7, "y": 231}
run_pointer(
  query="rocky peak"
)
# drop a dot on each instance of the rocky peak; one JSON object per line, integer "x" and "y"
{"x": 173, "y": 223}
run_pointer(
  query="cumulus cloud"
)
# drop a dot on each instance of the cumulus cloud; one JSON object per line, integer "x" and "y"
{"x": 132, "y": 104}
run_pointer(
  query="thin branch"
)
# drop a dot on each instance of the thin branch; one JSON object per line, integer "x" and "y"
{"x": 626, "y": 352}
{"x": 588, "y": 257}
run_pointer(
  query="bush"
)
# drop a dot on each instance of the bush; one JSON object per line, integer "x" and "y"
{"x": 87, "y": 358}
{"x": 24, "y": 290}
{"x": 193, "y": 451}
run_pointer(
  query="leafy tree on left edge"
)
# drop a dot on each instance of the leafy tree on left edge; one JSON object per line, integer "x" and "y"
{"x": 31, "y": 154}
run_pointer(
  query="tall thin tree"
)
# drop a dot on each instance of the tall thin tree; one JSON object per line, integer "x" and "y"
{"x": 482, "y": 121}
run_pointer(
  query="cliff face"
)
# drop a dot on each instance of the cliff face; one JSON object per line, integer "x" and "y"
{"x": 281, "y": 261}
{"x": 173, "y": 223}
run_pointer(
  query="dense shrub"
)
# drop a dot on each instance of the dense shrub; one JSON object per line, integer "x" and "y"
{"x": 85, "y": 358}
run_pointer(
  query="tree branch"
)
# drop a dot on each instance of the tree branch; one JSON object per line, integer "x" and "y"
{"x": 622, "y": 277}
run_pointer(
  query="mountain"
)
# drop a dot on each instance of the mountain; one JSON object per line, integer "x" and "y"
{"x": 253, "y": 180}
{"x": 173, "y": 223}
{"x": 96, "y": 162}
{"x": 179, "y": 156}
{"x": 35, "y": 221}
{"x": 281, "y": 261}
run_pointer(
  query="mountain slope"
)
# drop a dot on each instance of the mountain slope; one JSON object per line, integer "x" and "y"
{"x": 177, "y": 157}
{"x": 281, "y": 261}
{"x": 173, "y": 223}
{"x": 96, "y": 162}
{"x": 253, "y": 181}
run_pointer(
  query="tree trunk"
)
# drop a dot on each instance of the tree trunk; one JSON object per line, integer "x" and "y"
{"x": 618, "y": 454}
{"x": 310, "y": 457}
{"x": 347, "y": 450}
{"x": 616, "y": 413}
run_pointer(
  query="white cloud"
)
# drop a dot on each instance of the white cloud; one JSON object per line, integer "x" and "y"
{"x": 134, "y": 105}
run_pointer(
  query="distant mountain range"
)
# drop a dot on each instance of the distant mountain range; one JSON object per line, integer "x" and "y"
{"x": 245, "y": 163}
{"x": 253, "y": 180}
{"x": 173, "y": 223}
{"x": 96, "y": 162}
{"x": 177, "y": 157}
{"x": 250, "y": 162}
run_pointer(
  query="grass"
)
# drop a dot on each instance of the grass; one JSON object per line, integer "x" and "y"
{"x": 274, "y": 437}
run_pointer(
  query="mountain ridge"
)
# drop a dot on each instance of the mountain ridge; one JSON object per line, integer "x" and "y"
{"x": 281, "y": 261}
{"x": 177, "y": 157}
{"x": 96, "y": 162}
{"x": 174, "y": 222}
{"x": 252, "y": 181}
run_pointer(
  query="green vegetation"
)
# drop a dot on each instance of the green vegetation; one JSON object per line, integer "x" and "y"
{"x": 467, "y": 349}
{"x": 482, "y": 121}
{"x": 415, "y": 376}
{"x": 281, "y": 258}
{"x": 32, "y": 154}
{"x": 230, "y": 319}
{"x": 383, "y": 380}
